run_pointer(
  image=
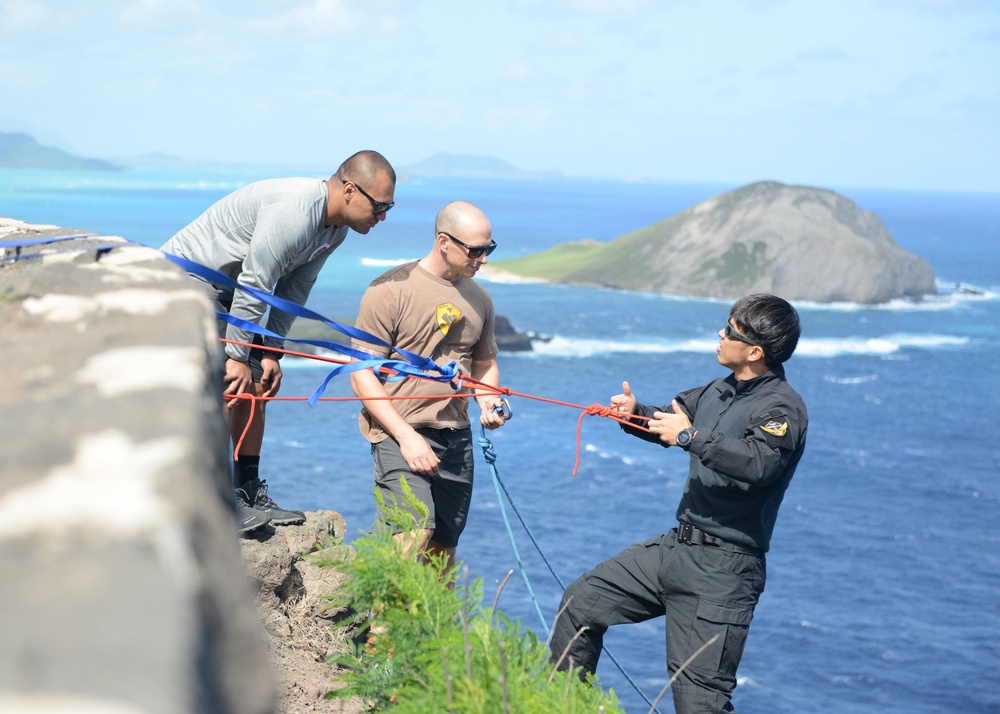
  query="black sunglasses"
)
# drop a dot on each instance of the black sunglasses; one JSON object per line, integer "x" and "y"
{"x": 378, "y": 207}
{"x": 474, "y": 251}
{"x": 732, "y": 334}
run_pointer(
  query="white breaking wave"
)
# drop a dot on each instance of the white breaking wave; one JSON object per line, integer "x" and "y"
{"x": 808, "y": 347}
{"x": 588, "y": 347}
{"x": 384, "y": 262}
{"x": 928, "y": 303}
{"x": 851, "y": 380}
{"x": 835, "y": 347}
{"x": 501, "y": 276}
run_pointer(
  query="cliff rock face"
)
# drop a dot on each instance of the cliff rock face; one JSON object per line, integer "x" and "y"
{"x": 797, "y": 242}
{"x": 302, "y": 627}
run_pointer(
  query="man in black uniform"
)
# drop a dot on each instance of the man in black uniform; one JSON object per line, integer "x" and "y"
{"x": 745, "y": 434}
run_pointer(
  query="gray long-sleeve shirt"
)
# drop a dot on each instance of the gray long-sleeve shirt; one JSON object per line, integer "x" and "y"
{"x": 269, "y": 235}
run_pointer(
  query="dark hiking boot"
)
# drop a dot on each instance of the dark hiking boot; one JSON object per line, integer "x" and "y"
{"x": 257, "y": 489}
{"x": 248, "y": 518}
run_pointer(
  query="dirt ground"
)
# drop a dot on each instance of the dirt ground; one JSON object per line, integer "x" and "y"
{"x": 303, "y": 677}
{"x": 302, "y": 630}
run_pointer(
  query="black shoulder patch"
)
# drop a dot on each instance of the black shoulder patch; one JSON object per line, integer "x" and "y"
{"x": 775, "y": 427}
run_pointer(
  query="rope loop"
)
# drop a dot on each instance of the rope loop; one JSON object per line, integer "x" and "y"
{"x": 489, "y": 453}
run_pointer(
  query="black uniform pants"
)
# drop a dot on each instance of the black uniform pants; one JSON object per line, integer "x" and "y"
{"x": 704, "y": 590}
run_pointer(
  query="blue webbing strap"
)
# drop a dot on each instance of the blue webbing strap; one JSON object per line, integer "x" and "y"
{"x": 56, "y": 239}
{"x": 423, "y": 365}
{"x": 498, "y": 484}
{"x": 49, "y": 239}
{"x": 214, "y": 276}
{"x": 415, "y": 366}
{"x": 364, "y": 360}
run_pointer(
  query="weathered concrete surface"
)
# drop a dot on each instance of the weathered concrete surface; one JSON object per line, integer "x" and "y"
{"x": 123, "y": 585}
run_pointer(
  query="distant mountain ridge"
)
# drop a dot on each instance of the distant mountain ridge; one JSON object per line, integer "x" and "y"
{"x": 20, "y": 151}
{"x": 798, "y": 242}
{"x": 467, "y": 166}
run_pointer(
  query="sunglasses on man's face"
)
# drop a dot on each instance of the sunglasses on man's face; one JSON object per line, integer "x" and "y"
{"x": 378, "y": 207}
{"x": 731, "y": 333}
{"x": 474, "y": 251}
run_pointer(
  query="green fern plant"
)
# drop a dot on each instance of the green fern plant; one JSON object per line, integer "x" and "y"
{"x": 441, "y": 649}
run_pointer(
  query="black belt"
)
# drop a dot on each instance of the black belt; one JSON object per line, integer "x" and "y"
{"x": 690, "y": 535}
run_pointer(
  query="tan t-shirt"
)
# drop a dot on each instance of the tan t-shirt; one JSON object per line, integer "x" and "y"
{"x": 417, "y": 311}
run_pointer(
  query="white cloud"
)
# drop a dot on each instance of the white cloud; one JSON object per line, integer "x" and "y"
{"x": 519, "y": 71}
{"x": 22, "y": 15}
{"x": 254, "y": 80}
{"x": 148, "y": 13}
{"x": 606, "y": 7}
{"x": 568, "y": 41}
{"x": 942, "y": 7}
{"x": 824, "y": 54}
{"x": 322, "y": 18}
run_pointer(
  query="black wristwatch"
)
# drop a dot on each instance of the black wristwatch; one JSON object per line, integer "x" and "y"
{"x": 684, "y": 437}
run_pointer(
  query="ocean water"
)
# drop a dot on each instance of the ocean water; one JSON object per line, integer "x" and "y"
{"x": 883, "y": 590}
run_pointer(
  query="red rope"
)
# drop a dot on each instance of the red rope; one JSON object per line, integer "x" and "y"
{"x": 592, "y": 410}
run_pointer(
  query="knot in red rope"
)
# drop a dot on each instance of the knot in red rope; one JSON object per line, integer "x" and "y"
{"x": 599, "y": 410}
{"x": 592, "y": 410}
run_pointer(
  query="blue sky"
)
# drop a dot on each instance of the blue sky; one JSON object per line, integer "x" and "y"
{"x": 846, "y": 93}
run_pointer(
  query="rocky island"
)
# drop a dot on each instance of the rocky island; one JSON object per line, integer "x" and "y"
{"x": 798, "y": 242}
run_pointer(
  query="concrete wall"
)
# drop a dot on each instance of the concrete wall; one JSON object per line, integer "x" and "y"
{"x": 123, "y": 588}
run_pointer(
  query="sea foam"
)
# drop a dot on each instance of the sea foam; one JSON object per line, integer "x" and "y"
{"x": 823, "y": 347}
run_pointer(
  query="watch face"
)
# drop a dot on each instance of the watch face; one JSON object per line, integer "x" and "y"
{"x": 683, "y": 437}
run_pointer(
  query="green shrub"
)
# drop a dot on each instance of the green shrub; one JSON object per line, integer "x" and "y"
{"x": 443, "y": 650}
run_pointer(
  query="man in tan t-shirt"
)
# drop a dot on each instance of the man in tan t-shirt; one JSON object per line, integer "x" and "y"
{"x": 434, "y": 308}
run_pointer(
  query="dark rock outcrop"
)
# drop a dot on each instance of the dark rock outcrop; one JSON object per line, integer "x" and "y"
{"x": 509, "y": 339}
{"x": 303, "y": 628}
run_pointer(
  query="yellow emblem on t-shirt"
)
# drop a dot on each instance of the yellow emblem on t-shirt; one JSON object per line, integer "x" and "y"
{"x": 775, "y": 428}
{"x": 447, "y": 315}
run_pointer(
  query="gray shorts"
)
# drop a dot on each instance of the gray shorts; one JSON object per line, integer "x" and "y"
{"x": 447, "y": 494}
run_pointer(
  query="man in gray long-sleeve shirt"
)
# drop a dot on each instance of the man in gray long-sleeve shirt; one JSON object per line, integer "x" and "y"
{"x": 275, "y": 235}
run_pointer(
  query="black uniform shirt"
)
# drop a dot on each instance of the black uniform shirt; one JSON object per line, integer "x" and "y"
{"x": 751, "y": 435}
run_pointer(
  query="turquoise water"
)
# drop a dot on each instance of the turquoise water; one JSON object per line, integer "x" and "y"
{"x": 884, "y": 569}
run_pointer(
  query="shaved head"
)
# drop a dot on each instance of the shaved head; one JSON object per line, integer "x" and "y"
{"x": 365, "y": 167}
{"x": 462, "y": 218}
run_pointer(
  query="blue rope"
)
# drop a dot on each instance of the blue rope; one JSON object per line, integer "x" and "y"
{"x": 491, "y": 457}
{"x": 498, "y": 484}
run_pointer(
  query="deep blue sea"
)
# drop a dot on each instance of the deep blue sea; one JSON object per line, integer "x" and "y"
{"x": 883, "y": 590}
